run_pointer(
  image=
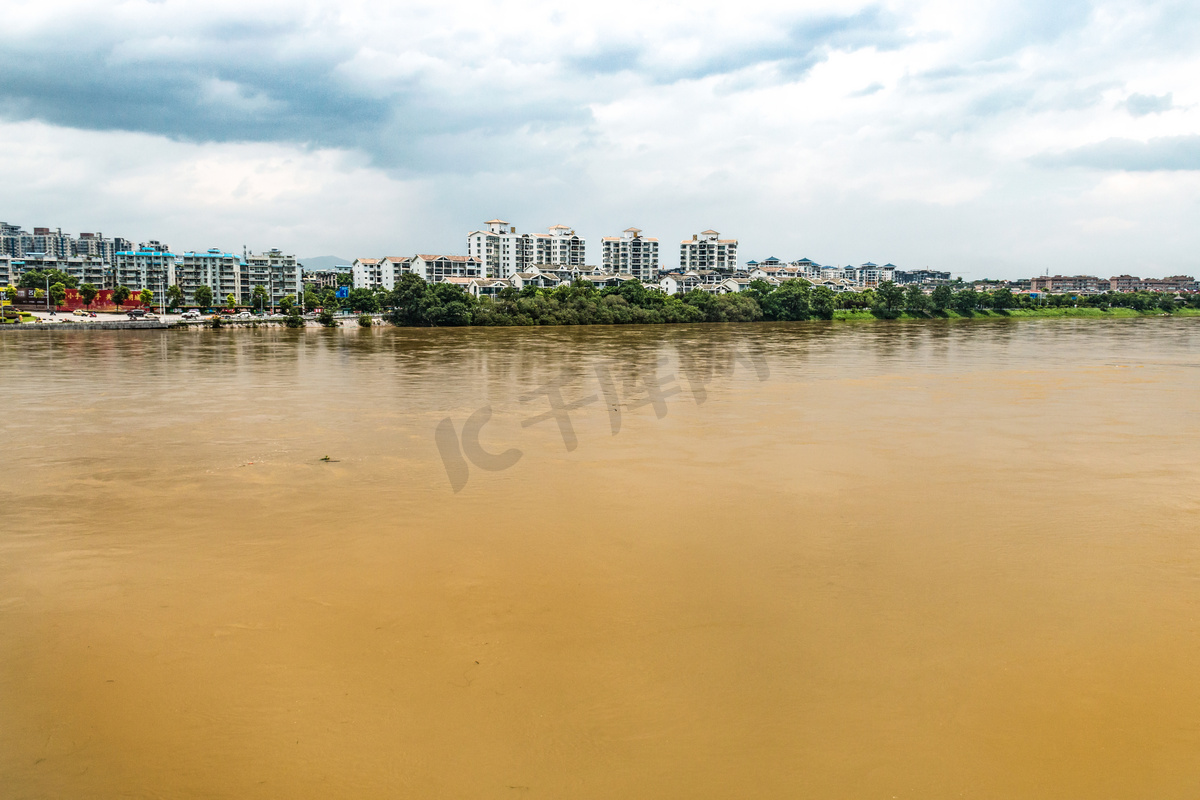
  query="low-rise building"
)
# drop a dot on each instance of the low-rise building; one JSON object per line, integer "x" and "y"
{"x": 1078, "y": 284}
{"x": 740, "y": 283}
{"x": 366, "y": 273}
{"x": 1172, "y": 283}
{"x": 607, "y": 280}
{"x": 680, "y": 282}
{"x": 536, "y": 278}
{"x": 326, "y": 278}
{"x": 435, "y": 268}
{"x": 487, "y": 287}
{"x": 921, "y": 276}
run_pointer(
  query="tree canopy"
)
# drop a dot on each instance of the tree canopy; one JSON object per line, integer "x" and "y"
{"x": 36, "y": 279}
{"x": 203, "y": 296}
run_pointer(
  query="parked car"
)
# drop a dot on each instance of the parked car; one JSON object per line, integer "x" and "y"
{"x": 136, "y": 313}
{"x": 79, "y": 312}
{"x": 244, "y": 315}
{"x": 193, "y": 314}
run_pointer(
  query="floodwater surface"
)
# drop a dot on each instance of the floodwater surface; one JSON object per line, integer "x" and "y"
{"x": 908, "y": 560}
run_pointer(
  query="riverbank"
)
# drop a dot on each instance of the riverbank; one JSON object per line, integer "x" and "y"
{"x": 106, "y": 325}
{"x": 839, "y": 315}
{"x": 864, "y": 315}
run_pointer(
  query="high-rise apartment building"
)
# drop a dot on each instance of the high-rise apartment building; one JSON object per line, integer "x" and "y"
{"x": 706, "y": 250}
{"x": 560, "y": 247}
{"x": 83, "y": 269}
{"x": 144, "y": 269}
{"x": 504, "y": 252}
{"x": 277, "y": 273}
{"x": 52, "y": 243}
{"x": 17, "y": 242}
{"x": 632, "y": 254}
{"x": 500, "y": 248}
{"x": 218, "y": 270}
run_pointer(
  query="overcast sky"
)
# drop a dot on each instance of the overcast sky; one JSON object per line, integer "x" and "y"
{"x": 986, "y": 138}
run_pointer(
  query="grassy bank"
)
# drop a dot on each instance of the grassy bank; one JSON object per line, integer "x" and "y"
{"x": 1023, "y": 313}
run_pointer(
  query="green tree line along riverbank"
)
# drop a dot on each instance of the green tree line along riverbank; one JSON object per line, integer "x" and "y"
{"x": 416, "y": 303}
{"x": 413, "y": 302}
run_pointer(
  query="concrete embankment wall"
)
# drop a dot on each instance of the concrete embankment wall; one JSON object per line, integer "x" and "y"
{"x": 113, "y": 325}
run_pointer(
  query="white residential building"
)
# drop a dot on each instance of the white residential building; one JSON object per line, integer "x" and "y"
{"x": 499, "y": 249}
{"x": 390, "y": 270}
{"x": 679, "y": 283}
{"x": 84, "y": 270}
{"x": 871, "y": 275}
{"x": 438, "y": 268}
{"x": 487, "y": 287}
{"x": 277, "y": 273}
{"x": 366, "y": 273}
{"x": 560, "y": 247}
{"x": 218, "y": 270}
{"x": 631, "y": 253}
{"x": 809, "y": 268}
{"x": 144, "y": 269}
{"x": 503, "y": 252}
{"x": 706, "y": 250}
{"x": 542, "y": 280}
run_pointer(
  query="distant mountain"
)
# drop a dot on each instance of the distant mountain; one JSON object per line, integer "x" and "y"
{"x": 324, "y": 262}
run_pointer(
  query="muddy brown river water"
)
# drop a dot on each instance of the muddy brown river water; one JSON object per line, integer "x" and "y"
{"x": 927, "y": 560}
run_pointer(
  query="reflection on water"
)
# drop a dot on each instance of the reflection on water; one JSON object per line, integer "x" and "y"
{"x": 918, "y": 560}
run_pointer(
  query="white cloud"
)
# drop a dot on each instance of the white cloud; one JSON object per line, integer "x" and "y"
{"x": 922, "y": 133}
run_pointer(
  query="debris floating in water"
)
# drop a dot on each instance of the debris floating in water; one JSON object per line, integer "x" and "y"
{"x": 329, "y": 460}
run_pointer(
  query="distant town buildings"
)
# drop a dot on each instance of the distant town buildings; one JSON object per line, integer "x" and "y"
{"x": 327, "y": 278}
{"x": 1090, "y": 284}
{"x": 498, "y": 259}
{"x": 82, "y": 269}
{"x": 632, "y": 254}
{"x": 706, "y": 250}
{"x": 923, "y": 276}
{"x": 19, "y": 243}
